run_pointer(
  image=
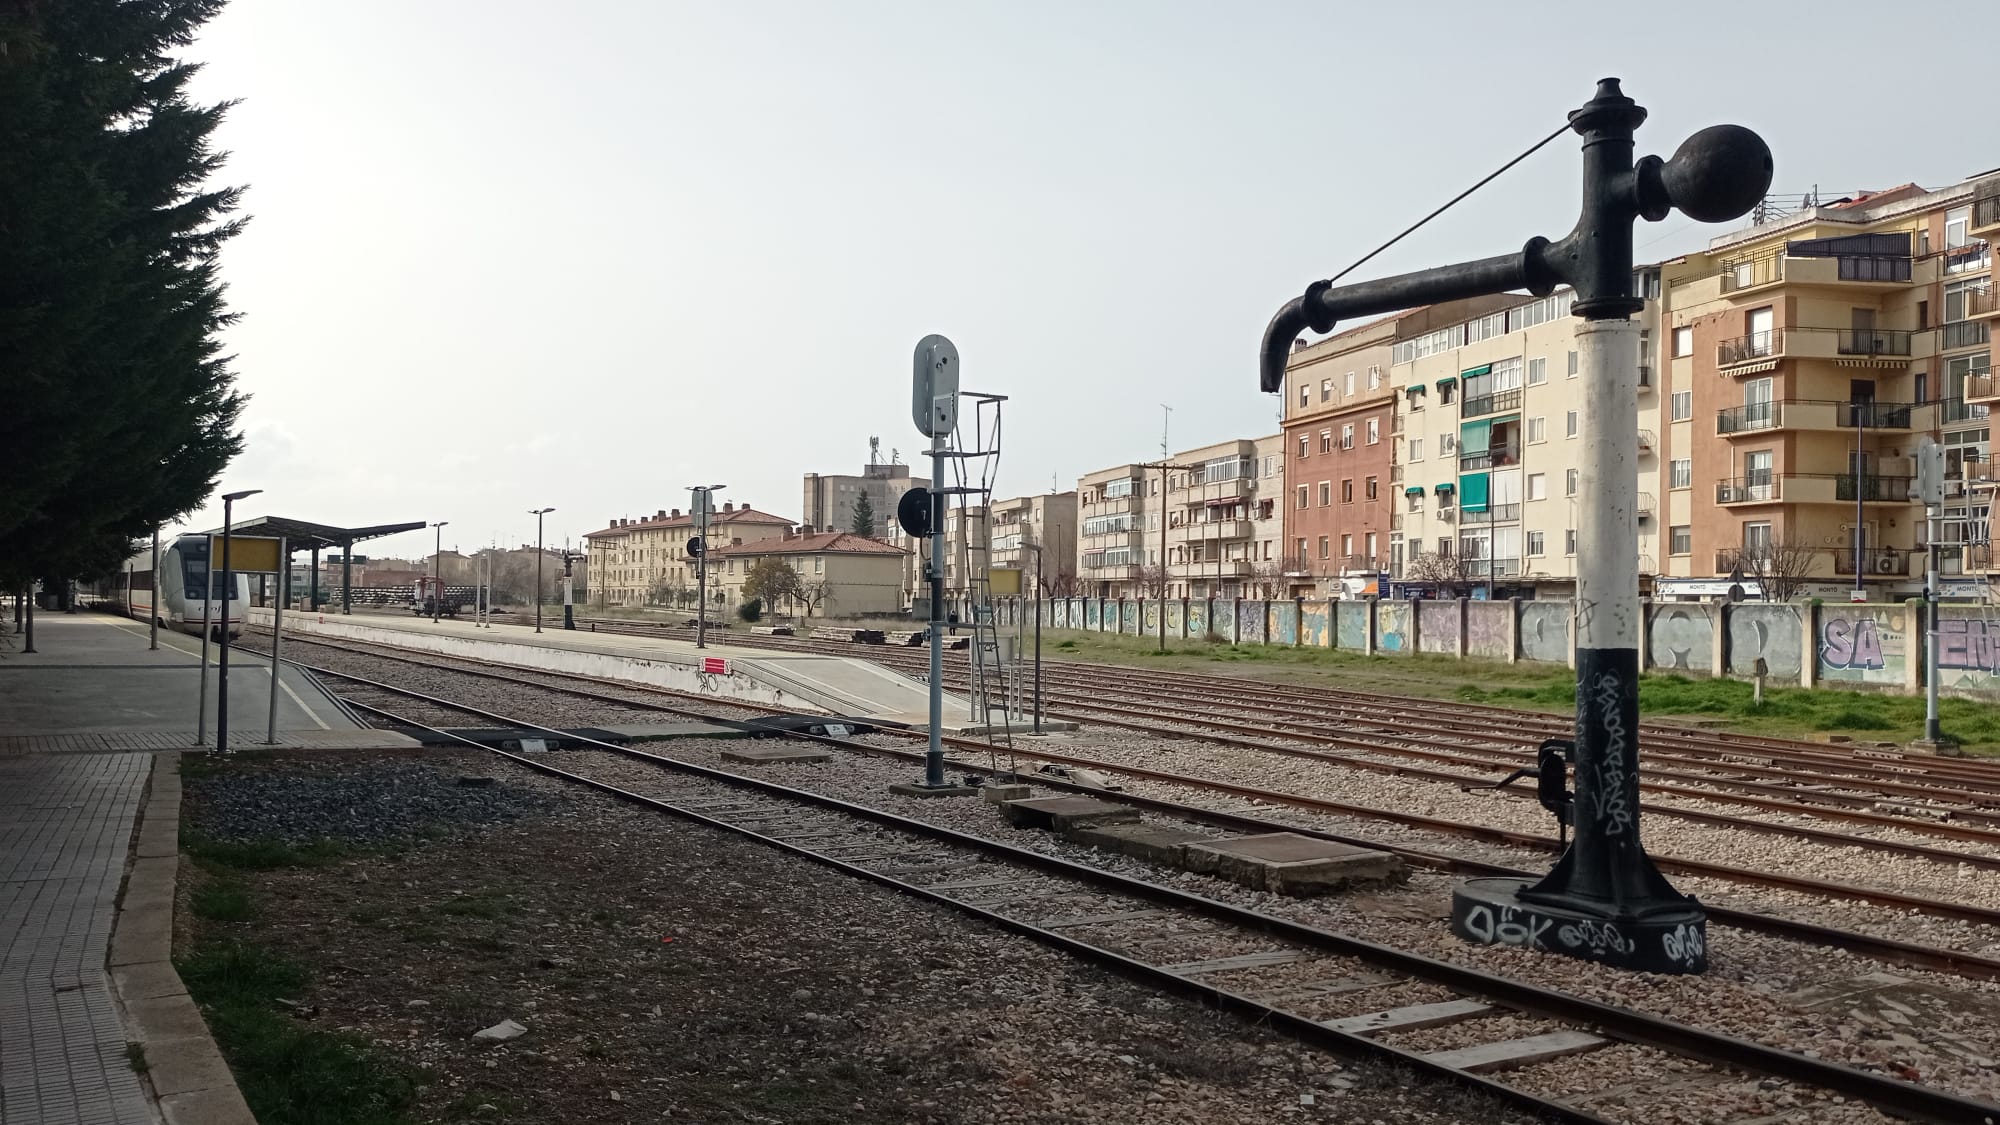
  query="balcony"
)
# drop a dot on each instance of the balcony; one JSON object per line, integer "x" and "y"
{"x": 1647, "y": 441}
{"x": 1888, "y": 562}
{"x": 1216, "y": 529}
{"x": 1873, "y": 415}
{"x": 1198, "y": 492}
{"x": 1954, "y": 410}
{"x": 1982, "y": 303}
{"x": 1494, "y": 513}
{"x": 1867, "y": 341}
{"x": 1212, "y": 568}
{"x": 1645, "y": 505}
{"x": 1874, "y": 488}
{"x": 1758, "y": 488}
{"x": 1981, "y": 388}
{"x": 1750, "y": 348}
{"x": 1499, "y": 402}
{"x": 1753, "y": 418}
{"x": 1489, "y": 458}
{"x": 1107, "y": 572}
{"x": 1754, "y": 273}
{"x": 1645, "y": 376}
{"x": 1962, "y": 334}
{"x": 1849, "y": 269}
{"x": 1492, "y": 568}
{"x": 1986, "y": 209}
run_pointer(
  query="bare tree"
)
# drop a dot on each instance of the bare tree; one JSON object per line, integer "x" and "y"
{"x": 1441, "y": 570}
{"x": 1153, "y": 579}
{"x": 1780, "y": 566}
{"x": 1062, "y": 584}
{"x": 814, "y": 592}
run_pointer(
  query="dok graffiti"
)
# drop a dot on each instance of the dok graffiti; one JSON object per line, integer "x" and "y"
{"x": 1682, "y": 946}
{"x": 1866, "y": 645}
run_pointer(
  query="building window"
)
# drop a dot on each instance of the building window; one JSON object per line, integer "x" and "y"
{"x": 1537, "y": 544}
{"x": 1347, "y": 546}
{"x": 1538, "y": 371}
{"x": 1305, "y": 394}
{"x": 1957, "y": 227}
{"x": 1301, "y": 541}
{"x": 1374, "y": 431}
{"x": 1538, "y": 486}
{"x": 1444, "y": 546}
{"x": 1374, "y": 378}
{"x": 1347, "y": 436}
{"x": 1538, "y": 430}
{"x": 1325, "y": 550}
{"x": 1572, "y": 365}
{"x": 1569, "y": 542}
{"x": 1680, "y": 474}
{"x": 1305, "y": 446}
{"x": 1416, "y": 449}
{"x": 1569, "y": 425}
{"x": 1325, "y": 493}
{"x": 1326, "y": 390}
{"x": 1371, "y": 543}
{"x": 1680, "y": 540}
{"x": 1326, "y": 441}
{"x": 1347, "y": 491}
{"x": 1350, "y": 383}
{"x": 1756, "y": 539}
{"x": 1683, "y": 406}
{"x": 1683, "y": 342}
{"x": 1305, "y": 496}
{"x": 1569, "y": 482}
{"x": 1371, "y": 488}
{"x": 1416, "y": 501}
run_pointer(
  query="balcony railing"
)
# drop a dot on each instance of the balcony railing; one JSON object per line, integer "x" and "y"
{"x": 1750, "y": 418}
{"x": 1753, "y": 489}
{"x": 1646, "y": 441}
{"x": 1490, "y": 458}
{"x": 1498, "y": 402}
{"x": 1491, "y": 568}
{"x": 1872, "y": 487}
{"x": 1870, "y": 268}
{"x": 1752, "y": 273}
{"x": 1645, "y": 503}
{"x": 1871, "y": 341}
{"x": 1963, "y": 334}
{"x": 1756, "y": 345}
{"x": 1986, "y": 208}
{"x": 1959, "y": 410}
{"x": 1874, "y": 415}
{"x": 1494, "y": 513}
{"x": 1982, "y": 302}
{"x": 1885, "y": 562}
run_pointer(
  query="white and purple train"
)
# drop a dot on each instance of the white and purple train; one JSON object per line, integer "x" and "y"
{"x": 174, "y": 595}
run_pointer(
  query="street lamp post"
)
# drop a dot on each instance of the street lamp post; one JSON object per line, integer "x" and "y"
{"x": 437, "y": 572}
{"x": 538, "y": 513}
{"x": 1037, "y": 548}
{"x": 229, "y": 500}
{"x": 704, "y": 502}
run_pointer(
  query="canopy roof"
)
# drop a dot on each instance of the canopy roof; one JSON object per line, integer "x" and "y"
{"x": 304, "y": 535}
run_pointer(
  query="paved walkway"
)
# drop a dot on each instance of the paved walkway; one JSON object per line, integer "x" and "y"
{"x": 65, "y": 830}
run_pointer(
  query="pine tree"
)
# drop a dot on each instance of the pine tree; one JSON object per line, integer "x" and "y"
{"x": 120, "y": 410}
{"x": 864, "y": 517}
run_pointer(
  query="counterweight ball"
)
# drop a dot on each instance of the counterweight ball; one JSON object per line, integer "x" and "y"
{"x": 1718, "y": 174}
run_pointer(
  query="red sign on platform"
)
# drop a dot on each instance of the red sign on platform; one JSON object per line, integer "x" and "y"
{"x": 715, "y": 665}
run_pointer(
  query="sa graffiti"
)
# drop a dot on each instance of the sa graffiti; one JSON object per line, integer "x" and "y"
{"x": 1851, "y": 643}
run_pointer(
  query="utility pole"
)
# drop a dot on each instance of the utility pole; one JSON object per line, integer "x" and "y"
{"x": 437, "y": 572}
{"x": 704, "y": 501}
{"x": 538, "y": 513}
{"x": 1862, "y": 409}
{"x": 1929, "y": 489}
{"x": 569, "y": 587}
{"x": 1605, "y": 883}
{"x": 222, "y": 653}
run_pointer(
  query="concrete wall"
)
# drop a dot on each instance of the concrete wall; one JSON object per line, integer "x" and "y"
{"x": 1863, "y": 646}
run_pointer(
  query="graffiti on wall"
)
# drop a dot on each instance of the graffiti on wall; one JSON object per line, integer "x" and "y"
{"x": 1489, "y": 628}
{"x": 1863, "y": 644}
{"x": 1392, "y": 626}
{"x": 1683, "y": 639}
{"x": 1968, "y": 651}
{"x": 1350, "y": 626}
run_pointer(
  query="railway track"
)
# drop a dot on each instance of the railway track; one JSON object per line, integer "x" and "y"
{"x": 653, "y": 700}
{"x": 1447, "y": 1021}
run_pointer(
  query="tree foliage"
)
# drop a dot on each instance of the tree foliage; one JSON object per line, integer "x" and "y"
{"x": 864, "y": 517}
{"x": 1444, "y": 570}
{"x": 121, "y": 410}
{"x": 772, "y": 580}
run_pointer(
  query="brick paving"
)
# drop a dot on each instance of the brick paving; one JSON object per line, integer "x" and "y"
{"x": 65, "y": 829}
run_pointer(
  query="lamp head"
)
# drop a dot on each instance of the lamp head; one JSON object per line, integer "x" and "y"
{"x": 232, "y": 497}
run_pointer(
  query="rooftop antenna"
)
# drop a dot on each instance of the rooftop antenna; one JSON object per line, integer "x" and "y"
{"x": 874, "y": 451}
{"x": 1166, "y": 417}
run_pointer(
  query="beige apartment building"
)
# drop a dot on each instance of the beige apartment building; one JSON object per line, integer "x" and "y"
{"x": 1225, "y": 526}
{"x": 828, "y": 499}
{"x": 1046, "y": 521}
{"x": 645, "y": 561}
{"x": 1116, "y": 509}
{"x": 1488, "y": 451}
{"x": 1809, "y": 356}
{"x": 840, "y": 574}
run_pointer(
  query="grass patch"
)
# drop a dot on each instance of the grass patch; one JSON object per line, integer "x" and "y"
{"x": 135, "y": 1057}
{"x": 221, "y": 901}
{"x": 290, "y": 1074}
{"x": 262, "y": 854}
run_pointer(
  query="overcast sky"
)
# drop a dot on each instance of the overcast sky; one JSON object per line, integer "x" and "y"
{"x": 507, "y": 255}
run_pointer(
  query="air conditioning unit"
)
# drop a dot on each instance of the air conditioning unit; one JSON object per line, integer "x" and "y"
{"x": 1887, "y": 564}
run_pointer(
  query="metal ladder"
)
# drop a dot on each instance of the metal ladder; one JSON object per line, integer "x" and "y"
{"x": 993, "y": 685}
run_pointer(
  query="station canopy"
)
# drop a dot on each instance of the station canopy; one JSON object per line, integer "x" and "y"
{"x": 304, "y": 535}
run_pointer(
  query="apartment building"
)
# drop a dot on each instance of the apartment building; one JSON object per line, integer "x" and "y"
{"x": 1116, "y": 509}
{"x": 1340, "y": 408}
{"x": 645, "y": 561}
{"x": 840, "y": 574}
{"x": 1046, "y": 521}
{"x": 828, "y": 499}
{"x": 1809, "y": 356}
{"x": 1487, "y": 441}
{"x": 1225, "y": 530}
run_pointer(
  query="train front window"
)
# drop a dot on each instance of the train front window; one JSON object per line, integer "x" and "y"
{"x": 194, "y": 568}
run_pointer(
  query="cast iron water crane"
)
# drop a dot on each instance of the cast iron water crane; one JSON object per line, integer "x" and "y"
{"x": 1604, "y": 900}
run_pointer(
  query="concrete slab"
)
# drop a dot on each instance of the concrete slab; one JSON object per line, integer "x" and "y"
{"x": 914, "y": 789}
{"x": 1149, "y": 842}
{"x": 1065, "y": 813}
{"x": 1290, "y": 864}
{"x": 1517, "y": 1052}
{"x": 1001, "y": 794}
{"x": 774, "y": 755}
{"x": 665, "y": 732}
{"x": 92, "y": 673}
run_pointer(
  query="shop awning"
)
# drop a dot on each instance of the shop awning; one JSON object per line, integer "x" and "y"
{"x": 1414, "y": 490}
{"x": 1474, "y": 373}
{"x": 1417, "y": 389}
{"x": 1448, "y": 381}
{"x": 1447, "y": 487}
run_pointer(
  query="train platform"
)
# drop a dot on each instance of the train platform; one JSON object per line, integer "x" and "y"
{"x": 96, "y": 1027}
{"x": 808, "y": 682}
